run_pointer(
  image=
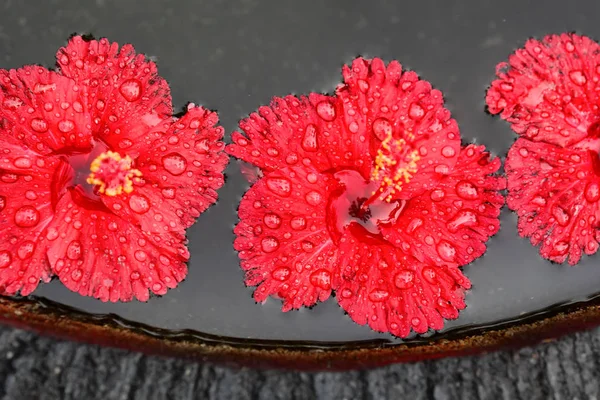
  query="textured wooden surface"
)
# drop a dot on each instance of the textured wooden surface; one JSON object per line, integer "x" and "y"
{"x": 35, "y": 367}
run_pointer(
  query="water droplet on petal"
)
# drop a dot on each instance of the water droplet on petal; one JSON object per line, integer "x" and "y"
{"x": 76, "y": 275}
{"x": 66, "y": 126}
{"x": 2, "y": 202}
{"x": 378, "y": 295}
{"x": 280, "y": 186}
{"x": 437, "y": 195}
{"x": 298, "y": 223}
{"x": 25, "y": 250}
{"x": 74, "y": 250}
{"x": 346, "y": 293}
{"x": 464, "y": 218}
{"x": 27, "y": 217}
{"x": 442, "y": 169}
{"x": 134, "y": 276}
{"x": 578, "y": 78}
{"x": 125, "y": 144}
{"x": 405, "y": 279}
{"x": 307, "y": 246}
{"x": 272, "y": 221}
{"x": 326, "y": 111}
{"x": 561, "y": 216}
{"x": 168, "y": 193}
{"x": 413, "y": 225}
{"x": 291, "y": 158}
{"x": 313, "y": 198}
{"x": 140, "y": 255}
{"x": 382, "y": 128}
{"x": 22, "y": 162}
{"x": 523, "y": 152}
{"x": 309, "y": 140}
{"x": 429, "y": 274}
{"x": 466, "y": 190}
{"x": 39, "y": 125}
{"x": 139, "y": 203}
{"x": 448, "y": 151}
{"x": 321, "y": 279}
{"x": 174, "y": 163}
{"x": 592, "y": 192}
{"x": 131, "y": 90}
{"x": 5, "y": 259}
{"x": 269, "y": 244}
{"x": 281, "y": 274}
{"x": 415, "y": 111}
{"x": 52, "y": 234}
{"x": 446, "y": 251}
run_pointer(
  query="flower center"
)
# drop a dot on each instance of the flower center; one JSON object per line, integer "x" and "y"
{"x": 112, "y": 174}
{"x": 96, "y": 172}
{"x": 349, "y": 209}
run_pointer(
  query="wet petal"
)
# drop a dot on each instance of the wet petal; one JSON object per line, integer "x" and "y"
{"x": 98, "y": 254}
{"x": 452, "y": 222}
{"x": 25, "y": 212}
{"x": 383, "y": 100}
{"x": 282, "y": 238}
{"x": 392, "y": 292}
{"x": 44, "y": 110}
{"x": 124, "y": 93}
{"x": 548, "y": 90}
{"x": 555, "y": 192}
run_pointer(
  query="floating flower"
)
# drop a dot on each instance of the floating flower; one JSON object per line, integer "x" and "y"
{"x": 98, "y": 181}
{"x": 549, "y": 92}
{"x": 367, "y": 193}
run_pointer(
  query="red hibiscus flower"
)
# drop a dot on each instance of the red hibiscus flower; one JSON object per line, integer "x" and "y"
{"x": 550, "y": 93}
{"x": 367, "y": 193}
{"x": 98, "y": 181}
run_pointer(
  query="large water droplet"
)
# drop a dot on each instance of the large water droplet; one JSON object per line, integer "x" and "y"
{"x": 174, "y": 163}
{"x": 281, "y": 274}
{"x": 309, "y": 140}
{"x": 139, "y": 203}
{"x": 76, "y": 275}
{"x": 27, "y": 217}
{"x": 326, "y": 111}
{"x": 446, "y": 251}
{"x": 272, "y": 221}
{"x": 140, "y": 255}
{"x": 25, "y": 250}
{"x": 437, "y": 195}
{"x": 464, "y": 218}
{"x": 404, "y": 279}
{"x": 578, "y": 78}
{"x": 66, "y": 126}
{"x": 5, "y": 258}
{"x": 22, "y": 163}
{"x": 74, "y": 250}
{"x": 321, "y": 279}
{"x": 379, "y": 295}
{"x": 131, "y": 89}
{"x": 298, "y": 223}
{"x": 39, "y": 125}
{"x": 592, "y": 192}
{"x": 415, "y": 111}
{"x": 280, "y": 186}
{"x": 269, "y": 244}
{"x": 313, "y": 198}
{"x": 429, "y": 274}
{"x": 561, "y": 215}
{"x": 466, "y": 190}
{"x": 448, "y": 151}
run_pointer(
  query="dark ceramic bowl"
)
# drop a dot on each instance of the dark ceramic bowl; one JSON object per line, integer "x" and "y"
{"x": 233, "y": 56}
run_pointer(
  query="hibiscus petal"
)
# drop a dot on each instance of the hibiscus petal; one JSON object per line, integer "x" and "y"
{"x": 124, "y": 92}
{"x": 382, "y": 100}
{"x": 452, "y": 222}
{"x": 548, "y": 90}
{"x": 98, "y": 254}
{"x": 25, "y": 212}
{"x": 555, "y": 192}
{"x": 182, "y": 170}
{"x": 392, "y": 292}
{"x": 44, "y": 110}
{"x": 300, "y": 131}
{"x": 282, "y": 238}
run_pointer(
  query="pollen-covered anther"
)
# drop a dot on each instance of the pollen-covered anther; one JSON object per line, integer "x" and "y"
{"x": 113, "y": 174}
{"x": 395, "y": 165}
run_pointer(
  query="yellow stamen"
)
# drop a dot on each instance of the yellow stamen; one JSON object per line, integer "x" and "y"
{"x": 395, "y": 165}
{"x": 113, "y": 174}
